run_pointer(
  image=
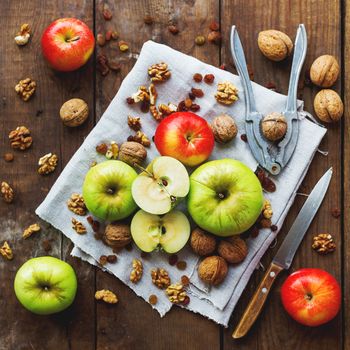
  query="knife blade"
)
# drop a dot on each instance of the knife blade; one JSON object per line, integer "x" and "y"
{"x": 285, "y": 254}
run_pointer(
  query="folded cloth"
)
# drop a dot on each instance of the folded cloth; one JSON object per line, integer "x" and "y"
{"x": 216, "y": 303}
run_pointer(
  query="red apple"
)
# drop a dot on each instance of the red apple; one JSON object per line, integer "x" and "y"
{"x": 67, "y": 44}
{"x": 186, "y": 137}
{"x": 311, "y": 296}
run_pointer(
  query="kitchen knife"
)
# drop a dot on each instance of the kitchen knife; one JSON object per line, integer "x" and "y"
{"x": 285, "y": 254}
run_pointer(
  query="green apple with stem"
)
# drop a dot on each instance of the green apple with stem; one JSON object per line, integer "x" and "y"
{"x": 225, "y": 197}
{"x": 169, "y": 232}
{"x": 157, "y": 188}
{"x": 45, "y": 285}
{"x": 107, "y": 190}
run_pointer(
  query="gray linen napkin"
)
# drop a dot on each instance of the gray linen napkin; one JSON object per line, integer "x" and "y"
{"x": 215, "y": 303}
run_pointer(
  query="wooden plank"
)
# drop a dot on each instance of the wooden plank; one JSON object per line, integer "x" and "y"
{"x": 274, "y": 328}
{"x": 346, "y": 179}
{"x": 132, "y": 323}
{"x": 76, "y": 324}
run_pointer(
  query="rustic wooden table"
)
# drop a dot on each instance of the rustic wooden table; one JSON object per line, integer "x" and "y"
{"x": 132, "y": 324}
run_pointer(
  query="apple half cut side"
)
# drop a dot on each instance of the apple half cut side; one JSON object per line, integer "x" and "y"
{"x": 169, "y": 232}
{"x": 157, "y": 189}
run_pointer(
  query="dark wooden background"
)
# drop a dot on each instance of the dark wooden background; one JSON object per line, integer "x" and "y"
{"x": 132, "y": 324}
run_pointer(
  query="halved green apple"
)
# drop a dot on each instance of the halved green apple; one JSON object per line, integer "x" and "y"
{"x": 157, "y": 189}
{"x": 169, "y": 232}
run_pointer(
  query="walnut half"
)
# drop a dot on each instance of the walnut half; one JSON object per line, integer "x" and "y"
{"x": 226, "y": 93}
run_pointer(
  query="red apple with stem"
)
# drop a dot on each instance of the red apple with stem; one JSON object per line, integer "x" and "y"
{"x": 186, "y": 137}
{"x": 67, "y": 44}
{"x": 311, "y": 296}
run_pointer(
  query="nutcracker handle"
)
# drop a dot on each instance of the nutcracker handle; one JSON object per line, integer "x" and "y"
{"x": 257, "y": 302}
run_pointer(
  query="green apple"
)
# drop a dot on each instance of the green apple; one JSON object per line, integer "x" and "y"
{"x": 169, "y": 232}
{"x": 158, "y": 188}
{"x": 225, "y": 197}
{"x": 45, "y": 285}
{"x": 107, "y": 190}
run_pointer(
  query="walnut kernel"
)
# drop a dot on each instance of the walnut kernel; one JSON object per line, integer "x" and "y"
{"x": 25, "y": 88}
{"x": 112, "y": 151}
{"x": 274, "y": 126}
{"x": 107, "y": 296}
{"x": 213, "y": 270}
{"x": 117, "y": 235}
{"x": 47, "y": 164}
{"x": 224, "y": 128}
{"x": 74, "y": 112}
{"x": 141, "y": 138}
{"x": 328, "y": 106}
{"x": 134, "y": 123}
{"x": 323, "y": 243}
{"x": 274, "y": 44}
{"x": 137, "y": 271}
{"x": 78, "y": 226}
{"x": 226, "y": 93}
{"x": 160, "y": 278}
{"x": 30, "y": 230}
{"x": 176, "y": 293}
{"x": 202, "y": 243}
{"x": 267, "y": 209}
{"x": 6, "y": 251}
{"x": 76, "y": 204}
{"x": 233, "y": 250}
{"x": 20, "y": 138}
{"x": 23, "y": 35}
{"x": 159, "y": 72}
{"x": 324, "y": 71}
{"x": 132, "y": 152}
{"x": 7, "y": 192}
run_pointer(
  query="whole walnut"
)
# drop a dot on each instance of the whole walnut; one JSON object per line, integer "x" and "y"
{"x": 324, "y": 71}
{"x": 233, "y": 250}
{"x": 213, "y": 270}
{"x": 328, "y": 106}
{"x": 117, "y": 235}
{"x": 202, "y": 243}
{"x": 224, "y": 128}
{"x": 132, "y": 152}
{"x": 74, "y": 112}
{"x": 274, "y": 126}
{"x": 275, "y": 45}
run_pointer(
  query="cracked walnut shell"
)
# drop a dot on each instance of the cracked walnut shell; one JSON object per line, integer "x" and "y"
{"x": 233, "y": 250}
{"x": 20, "y": 138}
{"x": 30, "y": 230}
{"x": 132, "y": 153}
{"x": 160, "y": 278}
{"x": 213, "y": 270}
{"x": 6, "y": 251}
{"x": 328, "y": 106}
{"x": 76, "y": 204}
{"x": 226, "y": 93}
{"x": 323, "y": 243}
{"x": 7, "y": 192}
{"x": 274, "y": 44}
{"x": 274, "y": 126}
{"x": 74, "y": 112}
{"x": 117, "y": 235}
{"x": 25, "y": 88}
{"x": 47, "y": 164}
{"x": 202, "y": 243}
{"x": 324, "y": 71}
{"x": 159, "y": 72}
{"x": 224, "y": 128}
{"x": 137, "y": 271}
{"x": 107, "y": 296}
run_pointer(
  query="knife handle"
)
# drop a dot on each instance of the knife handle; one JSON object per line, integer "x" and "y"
{"x": 257, "y": 302}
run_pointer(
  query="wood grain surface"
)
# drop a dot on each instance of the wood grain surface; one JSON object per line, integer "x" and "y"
{"x": 132, "y": 324}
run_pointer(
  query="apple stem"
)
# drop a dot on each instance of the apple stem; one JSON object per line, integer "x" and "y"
{"x": 75, "y": 38}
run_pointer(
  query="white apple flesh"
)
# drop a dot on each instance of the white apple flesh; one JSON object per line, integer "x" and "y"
{"x": 157, "y": 189}
{"x": 169, "y": 232}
